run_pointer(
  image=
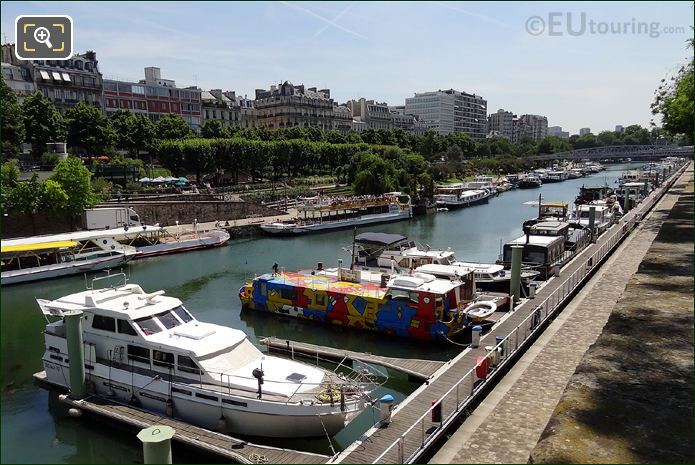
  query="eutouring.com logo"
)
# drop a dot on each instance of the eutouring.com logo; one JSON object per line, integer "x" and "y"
{"x": 558, "y": 23}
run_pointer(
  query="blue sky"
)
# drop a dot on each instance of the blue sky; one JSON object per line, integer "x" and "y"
{"x": 389, "y": 50}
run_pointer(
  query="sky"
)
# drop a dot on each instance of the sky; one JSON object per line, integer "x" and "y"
{"x": 581, "y": 64}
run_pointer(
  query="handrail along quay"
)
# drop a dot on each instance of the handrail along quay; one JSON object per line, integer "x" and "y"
{"x": 456, "y": 386}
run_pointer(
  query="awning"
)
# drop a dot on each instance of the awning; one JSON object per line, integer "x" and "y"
{"x": 44, "y": 75}
{"x": 39, "y": 246}
{"x": 66, "y": 77}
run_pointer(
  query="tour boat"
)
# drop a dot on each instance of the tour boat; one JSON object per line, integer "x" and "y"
{"x": 149, "y": 350}
{"x": 44, "y": 257}
{"x": 151, "y": 241}
{"x": 419, "y": 306}
{"x": 326, "y": 213}
{"x": 458, "y": 195}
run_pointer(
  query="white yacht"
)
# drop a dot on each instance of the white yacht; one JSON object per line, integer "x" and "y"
{"x": 604, "y": 216}
{"x": 42, "y": 257}
{"x": 149, "y": 350}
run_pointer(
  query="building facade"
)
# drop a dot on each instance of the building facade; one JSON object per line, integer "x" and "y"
{"x": 619, "y": 128}
{"x": 533, "y": 127}
{"x": 584, "y": 131}
{"x": 501, "y": 124}
{"x": 63, "y": 82}
{"x": 375, "y": 115}
{"x": 19, "y": 79}
{"x": 558, "y": 132}
{"x": 342, "y": 119}
{"x": 450, "y": 111}
{"x": 402, "y": 120}
{"x": 228, "y": 108}
{"x": 154, "y": 97}
{"x": 287, "y": 105}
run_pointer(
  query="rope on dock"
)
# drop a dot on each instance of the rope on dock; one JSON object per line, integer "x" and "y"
{"x": 258, "y": 458}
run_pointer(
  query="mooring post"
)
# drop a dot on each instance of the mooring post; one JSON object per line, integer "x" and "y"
{"x": 592, "y": 223}
{"x": 73, "y": 328}
{"x": 156, "y": 443}
{"x": 516, "y": 271}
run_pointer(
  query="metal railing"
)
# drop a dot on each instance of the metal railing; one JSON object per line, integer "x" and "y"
{"x": 420, "y": 433}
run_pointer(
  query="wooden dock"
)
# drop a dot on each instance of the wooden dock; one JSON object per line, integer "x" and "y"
{"x": 236, "y": 450}
{"x": 411, "y": 432}
{"x": 415, "y": 368}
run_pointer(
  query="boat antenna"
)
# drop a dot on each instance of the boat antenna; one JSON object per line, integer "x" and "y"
{"x": 352, "y": 258}
{"x": 540, "y": 199}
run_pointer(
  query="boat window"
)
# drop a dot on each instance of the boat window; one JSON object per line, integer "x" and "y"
{"x": 264, "y": 289}
{"x": 162, "y": 359}
{"x": 138, "y": 354}
{"x": 148, "y": 325}
{"x": 188, "y": 365}
{"x": 288, "y": 294}
{"x": 183, "y": 314}
{"x": 105, "y": 323}
{"x": 124, "y": 327}
{"x": 168, "y": 320}
{"x": 320, "y": 299}
{"x": 404, "y": 295}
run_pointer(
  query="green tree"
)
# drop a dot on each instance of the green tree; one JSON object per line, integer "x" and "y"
{"x": 74, "y": 179}
{"x": 53, "y": 197}
{"x": 213, "y": 129}
{"x": 88, "y": 128}
{"x": 674, "y": 101}
{"x": 10, "y": 173}
{"x": 123, "y": 123}
{"x": 143, "y": 134}
{"x": 42, "y": 122}
{"x": 13, "y": 131}
{"x": 27, "y": 196}
{"x": 172, "y": 126}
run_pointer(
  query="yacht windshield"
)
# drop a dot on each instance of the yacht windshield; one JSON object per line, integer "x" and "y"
{"x": 168, "y": 320}
{"x": 183, "y": 314}
{"x": 148, "y": 325}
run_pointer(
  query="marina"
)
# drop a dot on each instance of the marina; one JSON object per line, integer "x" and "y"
{"x": 399, "y": 349}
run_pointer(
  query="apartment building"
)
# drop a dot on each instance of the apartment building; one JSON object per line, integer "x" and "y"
{"x": 155, "y": 97}
{"x": 558, "y": 132}
{"x": 501, "y": 124}
{"x": 63, "y": 82}
{"x": 450, "y": 111}
{"x": 287, "y": 105}
{"x": 533, "y": 127}
{"x": 373, "y": 114}
{"x": 228, "y": 108}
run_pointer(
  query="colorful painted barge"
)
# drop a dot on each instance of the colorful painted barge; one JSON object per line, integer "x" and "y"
{"x": 418, "y": 306}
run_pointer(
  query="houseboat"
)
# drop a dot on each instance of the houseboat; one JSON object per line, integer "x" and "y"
{"x": 556, "y": 176}
{"x": 43, "y": 257}
{"x": 151, "y": 241}
{"x": 148, "y": 349}
{"x": 418, "y": 306}
{"x": 321, "y": 213}
{"x": 529, "y": 182}
{"x": 458, "y": 195}
{"x": 588, "y": 194}
{"x": 603, "y": 216}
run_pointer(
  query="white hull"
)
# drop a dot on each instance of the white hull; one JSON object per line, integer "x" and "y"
{"x": 63, "y": 269}
{"x": 243, "y": 414}
{"x": 182, "y": 246}
{"x": 293, "y": 228}
{"x": 462, "y": 201}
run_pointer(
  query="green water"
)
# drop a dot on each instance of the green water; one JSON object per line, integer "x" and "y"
{"x": 36, "y": 427}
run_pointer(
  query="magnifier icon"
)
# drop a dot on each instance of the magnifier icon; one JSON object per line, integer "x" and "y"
{"x": 43, "y": 36}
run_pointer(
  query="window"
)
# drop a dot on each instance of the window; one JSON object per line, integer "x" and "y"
{"x": 124, "y": 327}
{"x": 320, "y": 299}
{"x": 288, "y": 294}
{"x": 168, "y": 320}
{"x": 188, "y": 365}
{"x": 110, "y": 86}
{"x": 148, "y": 325}
{"x": 138, "y": 354}
{"x": 104, "y": 323}
{"x": 139, "y": 90}
{"x": 162, "y": 359}
{"x": 183, "y": 314}
{"x": 124, "y": 87}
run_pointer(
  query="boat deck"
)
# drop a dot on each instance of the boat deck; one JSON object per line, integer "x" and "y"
{"x": 415, "y": 368}
{"x": 231, "y": 448}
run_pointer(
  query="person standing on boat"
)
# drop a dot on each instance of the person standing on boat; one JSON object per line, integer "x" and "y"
{"x": 275, "y": 268}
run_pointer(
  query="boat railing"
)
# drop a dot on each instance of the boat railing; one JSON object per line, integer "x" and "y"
{"x": 420, "y": 434}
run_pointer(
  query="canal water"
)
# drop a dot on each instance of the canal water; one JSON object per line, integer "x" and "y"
{"x": 36, "y": 427}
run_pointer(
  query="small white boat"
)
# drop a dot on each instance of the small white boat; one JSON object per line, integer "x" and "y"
{"x": 479, "y": 311}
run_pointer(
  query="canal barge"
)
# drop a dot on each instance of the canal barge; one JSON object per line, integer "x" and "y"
{"x": 316, "y": 214}
{"x": 459, "y": 195}
{"x": 148, "y": 349}
{"x": 418, "y": 306}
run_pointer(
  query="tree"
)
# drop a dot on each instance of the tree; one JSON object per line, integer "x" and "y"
{"x": 123, "y": 124}
{"x": 27, "y": 196}
{"x": 172, "y": 126}
{"x": 12, "y": 122}
{"x": 10, "y": 173}
{"x": 88, "y": 128}
{"x": 73, "y": 177}
{"x": 53, "y": 197}
{"x": 42, "y": 122}
{"x": 674, "y": 101}
{"x": 143, "y": 134}
{"x": 213, "y": 129}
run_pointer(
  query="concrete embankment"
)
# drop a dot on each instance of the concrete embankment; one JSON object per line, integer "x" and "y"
{"x": 631, "y": 397}
{"x": 507, "y": 425}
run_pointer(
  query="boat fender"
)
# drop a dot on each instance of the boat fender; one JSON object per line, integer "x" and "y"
{"x": 75, "y": 412}
{"x": 482, "y": 365}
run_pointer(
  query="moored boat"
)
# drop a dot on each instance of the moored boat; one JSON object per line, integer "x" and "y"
{"x": 459, "y": 195}
{"x": 148, "y": 349}
{"x": 529, "y": 182}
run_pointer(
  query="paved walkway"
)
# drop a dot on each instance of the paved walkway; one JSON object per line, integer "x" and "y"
{"x": 508, "y": 423}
